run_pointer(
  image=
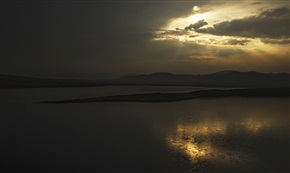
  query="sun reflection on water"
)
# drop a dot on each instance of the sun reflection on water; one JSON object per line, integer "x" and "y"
{"x": 193, "y": 141}
{"x": 209, "y": 140}
{"x": 203, "y": 128}
{"x": 256, "y": 125}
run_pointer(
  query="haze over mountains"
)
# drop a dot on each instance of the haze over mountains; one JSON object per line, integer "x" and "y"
{"x": 227, "y": 78}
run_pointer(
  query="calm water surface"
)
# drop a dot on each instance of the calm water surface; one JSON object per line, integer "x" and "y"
{"x": 203, "y": 135}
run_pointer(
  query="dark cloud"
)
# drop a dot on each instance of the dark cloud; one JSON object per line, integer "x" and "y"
{"x": 230, "y": 41}
{"x": 202, "y": 59}
{"x": 193, "y": 36}
{"x": 268, "y": 24}
{"x": 237, "y": 42}
{"x": 179, "y": 31}
{"x": 256, "y": 3}
{"x": 275, "y": 41}
{"x": 164, "y": 33}
{"x": 196, "y": 25}
{"x": 226, "y": 53}
{"x": 279, "y": 12}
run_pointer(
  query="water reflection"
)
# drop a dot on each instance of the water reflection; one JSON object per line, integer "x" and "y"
{"x": 212, "y": 141}
{"x": 204, "y": 128}
{"x": 232, "y": 134}
{"x": 194, "y": 150}
{"x": 256, "y": 125}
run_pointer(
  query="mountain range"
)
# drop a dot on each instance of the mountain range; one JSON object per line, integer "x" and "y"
{"x": 227, "y": 78}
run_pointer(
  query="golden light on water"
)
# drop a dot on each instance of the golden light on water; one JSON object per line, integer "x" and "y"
{"x": 194, "y": 150}
{"x": 198, "y": 140}
{"x": 198, "y": 151}
{"x": 255, "y": 125}
{"x": 204, "y": 128}
{"x": 193, "y": 140}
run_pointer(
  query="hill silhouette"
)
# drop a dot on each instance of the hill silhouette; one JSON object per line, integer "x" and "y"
{"x": 227, "y": 78}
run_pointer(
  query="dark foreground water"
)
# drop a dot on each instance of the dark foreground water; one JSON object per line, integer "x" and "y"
{"x": 204, "y": 135}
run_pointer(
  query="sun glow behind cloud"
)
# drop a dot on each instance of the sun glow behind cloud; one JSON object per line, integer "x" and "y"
{"x": 182, "y": 22}
{"x": 216, "y": 33}
{"x": 221, "y": 12}
{"x": 210, "y": 16}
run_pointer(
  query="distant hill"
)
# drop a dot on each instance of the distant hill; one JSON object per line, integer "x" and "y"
{"x": 228, "y": 78}
{"x": 220, "y": 79}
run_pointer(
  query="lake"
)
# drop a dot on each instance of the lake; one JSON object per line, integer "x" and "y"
{"x": 202, "y": 135}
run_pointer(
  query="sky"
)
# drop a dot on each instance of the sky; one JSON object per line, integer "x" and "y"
{"x": 132, "y": 37}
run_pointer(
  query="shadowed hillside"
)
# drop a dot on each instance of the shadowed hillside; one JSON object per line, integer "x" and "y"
{"x": 220, "y": 79}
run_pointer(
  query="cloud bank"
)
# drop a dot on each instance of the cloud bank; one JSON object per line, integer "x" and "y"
{"x": 268, "y": 24}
